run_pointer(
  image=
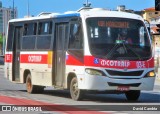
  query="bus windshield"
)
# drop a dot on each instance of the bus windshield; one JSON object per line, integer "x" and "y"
{"x": 118, "y": 38}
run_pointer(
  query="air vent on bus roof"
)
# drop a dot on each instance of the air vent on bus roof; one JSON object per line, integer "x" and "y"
{"x": 84, "y": 9}
{"x": 47, "y": 14}
{"x": 43, "y": 14}
{"x": 69, "y": 12}
{"x": 99, "y": 9}
{"x": 94, "y": 9}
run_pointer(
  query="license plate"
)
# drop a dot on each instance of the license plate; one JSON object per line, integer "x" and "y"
{"x": 123, "y": 88}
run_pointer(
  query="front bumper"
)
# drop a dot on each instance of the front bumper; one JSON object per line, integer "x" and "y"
{"x": 102, "y": 83}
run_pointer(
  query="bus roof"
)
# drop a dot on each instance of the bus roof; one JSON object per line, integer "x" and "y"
{"x": 100, "y": 12}
{"x": 95, "y": 12}
{"x": 50, "y": 15}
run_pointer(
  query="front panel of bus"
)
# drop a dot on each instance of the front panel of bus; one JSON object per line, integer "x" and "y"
{"x": 120, "y": 55}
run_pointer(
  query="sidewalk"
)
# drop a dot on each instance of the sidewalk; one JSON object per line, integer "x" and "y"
{"x": 158, "y": 74}
{"x": 157, "y": 77}
{"x": 1, "y": 66}
{"x": 157, "y": 81}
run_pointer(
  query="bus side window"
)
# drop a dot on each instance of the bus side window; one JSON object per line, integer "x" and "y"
{"x": 45, "y": 28}
{"x": 29, "y": 38}
{"x": 10, "y": 37}
{"x": 75, "y": 38}
{"x": 25, "y": 30}
{"x": 50, "y": 28}
{"x": 30, "y": 29}
{"x": 35, "y": 29}
{"x": 44, "y": 35}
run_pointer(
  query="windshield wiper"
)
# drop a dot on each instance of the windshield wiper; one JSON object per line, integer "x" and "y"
{"x": 125, "y": 47}
{"x": 111, "y": 51}
{"x": 109, "y": 55}
{"x": 130, "y": 48}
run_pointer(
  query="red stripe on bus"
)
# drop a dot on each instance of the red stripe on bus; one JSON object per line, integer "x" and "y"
{"x": 120, "y": 64}
{"x": 34, "y": 58}
{"x": 86, "y": 61}
{"x": 29, "y": 58}
{"x": 8, "y": 58}
{"x": 71, "y": 60}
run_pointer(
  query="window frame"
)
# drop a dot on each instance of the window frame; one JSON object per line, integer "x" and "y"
{"x": 36, "y": 34}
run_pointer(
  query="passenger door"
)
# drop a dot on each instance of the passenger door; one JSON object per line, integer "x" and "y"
{"x": 16, "y": 53}
{"x": 61, "y": 46}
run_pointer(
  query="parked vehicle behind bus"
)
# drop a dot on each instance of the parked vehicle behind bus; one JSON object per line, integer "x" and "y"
{"x": 81, "y": 51}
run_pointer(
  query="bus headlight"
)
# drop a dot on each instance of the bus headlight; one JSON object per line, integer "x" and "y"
{"x": 94, "y": 72}
{"x": 151, "y": 74}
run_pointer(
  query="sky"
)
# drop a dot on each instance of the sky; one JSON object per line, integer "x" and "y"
{"x": 60, "y": 6}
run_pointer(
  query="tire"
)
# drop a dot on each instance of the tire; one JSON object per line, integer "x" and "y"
{"x": 33, "y": 88}
{"x": 133, "y": 95}
{"x": 76, "y": 94}
{"x": 40, "y": 89}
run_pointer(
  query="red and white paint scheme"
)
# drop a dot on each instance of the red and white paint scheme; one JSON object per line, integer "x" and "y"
{"x": 82, "y": 51}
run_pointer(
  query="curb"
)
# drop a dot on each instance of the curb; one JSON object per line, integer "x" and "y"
{"x": 157, "y": 78}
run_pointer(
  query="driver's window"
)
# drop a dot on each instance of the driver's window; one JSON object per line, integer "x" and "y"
{"x": 76, "y": 37}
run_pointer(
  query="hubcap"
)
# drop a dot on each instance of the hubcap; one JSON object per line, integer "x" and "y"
{"x": 75, "y": 89}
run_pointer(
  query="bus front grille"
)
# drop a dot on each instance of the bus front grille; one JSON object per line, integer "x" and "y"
{"x": 131, "y": 85}
{"x": 124, "y": 73}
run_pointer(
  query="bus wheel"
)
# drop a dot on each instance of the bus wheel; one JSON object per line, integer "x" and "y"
{"x": 133, "y": 95}
{"x": 30, "y": 88}
{"x": 76, "y": 94}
